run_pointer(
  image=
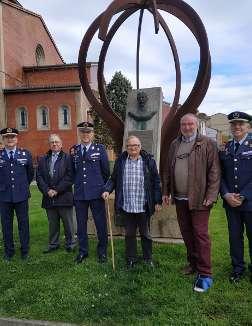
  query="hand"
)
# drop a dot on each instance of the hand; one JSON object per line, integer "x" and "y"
{"x": 105, "y": 195}
{"x": 166, "y": 200}
{"x": 52, "y": 193}
{"x": 55, "y": 193}
{"x": 233, "y": 199}
{"x": 207, "y": 202}
{"x": 158, "y": 207}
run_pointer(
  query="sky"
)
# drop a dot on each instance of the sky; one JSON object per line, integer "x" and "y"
{"x": 229, "y": 30}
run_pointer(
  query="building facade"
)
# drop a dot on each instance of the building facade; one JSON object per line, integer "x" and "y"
{"x": 39, "y": 93}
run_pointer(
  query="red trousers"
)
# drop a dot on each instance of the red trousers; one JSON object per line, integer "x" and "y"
{"x": 194, "y": 229}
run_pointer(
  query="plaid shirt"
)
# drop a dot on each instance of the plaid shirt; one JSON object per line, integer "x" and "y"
{"x": 133, "y": 186}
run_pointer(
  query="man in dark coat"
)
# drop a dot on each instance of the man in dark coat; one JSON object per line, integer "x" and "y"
{"x": 54, "y": 179}
{"x": 91, "y": 171}
{"x": 16, "y": 174}
{"x": 236, "y": 191}
{"x": 137, "y": 195}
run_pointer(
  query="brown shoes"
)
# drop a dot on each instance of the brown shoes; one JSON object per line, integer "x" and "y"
{"x": 188, "y": 270}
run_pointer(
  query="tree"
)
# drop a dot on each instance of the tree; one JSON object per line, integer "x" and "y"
{"x": 117, "y": 92}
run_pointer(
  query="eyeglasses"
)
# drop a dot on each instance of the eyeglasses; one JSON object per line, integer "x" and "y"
{"x": 133, "y": 146}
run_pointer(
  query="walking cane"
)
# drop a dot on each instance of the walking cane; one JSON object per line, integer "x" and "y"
{"x": 111, "y": 235}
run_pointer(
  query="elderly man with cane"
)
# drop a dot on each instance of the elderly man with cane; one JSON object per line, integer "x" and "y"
{"x": 137, "y": 195}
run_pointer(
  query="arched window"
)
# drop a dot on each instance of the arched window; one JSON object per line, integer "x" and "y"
{"x": 43, "y": 118}
{"x": 40, "y": 55}
{"x": 64, "y": 117}
{"x": 22, "y": 118}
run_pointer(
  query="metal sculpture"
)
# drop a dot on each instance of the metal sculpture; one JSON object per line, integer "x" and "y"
{"x": 184, "y": 13}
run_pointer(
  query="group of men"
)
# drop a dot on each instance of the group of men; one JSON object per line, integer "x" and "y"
{"x": 196, "y": 172}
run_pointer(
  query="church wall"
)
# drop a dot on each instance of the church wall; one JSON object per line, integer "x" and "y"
{"x": 22, "y": 32}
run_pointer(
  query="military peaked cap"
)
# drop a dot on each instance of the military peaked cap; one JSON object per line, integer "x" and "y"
{"x": 239, "y": 116}
{"x": 9, "y": 131}
{"x": 85, "y": 126}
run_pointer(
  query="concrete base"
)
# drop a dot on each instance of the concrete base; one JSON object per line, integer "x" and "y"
{"x": 164, "y": 224}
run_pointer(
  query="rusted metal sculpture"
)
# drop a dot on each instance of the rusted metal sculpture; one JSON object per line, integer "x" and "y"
{"x": 184, "y": 13}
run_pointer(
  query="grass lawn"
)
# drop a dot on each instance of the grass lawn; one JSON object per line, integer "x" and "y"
{"x": 52, "y": 287}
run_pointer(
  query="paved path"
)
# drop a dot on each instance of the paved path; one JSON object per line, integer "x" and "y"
{"x": 25, "y": 322}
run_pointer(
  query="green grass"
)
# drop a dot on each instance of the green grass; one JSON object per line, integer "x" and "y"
{"x": 52, "y": 287}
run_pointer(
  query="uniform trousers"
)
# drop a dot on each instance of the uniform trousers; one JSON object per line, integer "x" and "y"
{"x": 54, "y": 215}
{"x": 97, "y": 207}
{"x": 194, "y": 229}
{"x": 7, "y": 214}
{"x": 132, "y": 222}
{"x": 236, "y": 221}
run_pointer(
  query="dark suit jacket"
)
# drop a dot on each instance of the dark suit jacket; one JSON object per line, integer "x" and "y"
{"x": 61, "y": 180}
{"x": 15, "y": 176}
{"x": 91, "y": 172}
{"x": 237, "y": 172}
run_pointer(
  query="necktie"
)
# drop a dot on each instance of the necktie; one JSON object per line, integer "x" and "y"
{"x": 53, "y": 160}
{"x": 236, "y": 146}
{"x": 11, "y": 156}
{"x": 84, "y": 151}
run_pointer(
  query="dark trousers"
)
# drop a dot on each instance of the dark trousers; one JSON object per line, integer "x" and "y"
{"x": 7, "y": 214}
{"x": 236, "y": 222}
{"x": 194, "y": 229}
{"x": 97, "y": 207}
{"x": 132, "y": 222}
{"x": 54, "y": 215}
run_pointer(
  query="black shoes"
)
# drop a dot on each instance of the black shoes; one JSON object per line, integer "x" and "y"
{"x": 102, "y": 259}
{"x": 130, "y": 264}
{"x": 7, "y": 258}
{"x": 25, "y": 257}
{"x": 235, "y": 277}
{"x": 80, "y": 257}
{"x": 149, "y": 263}
{"x": 49, "y": 250}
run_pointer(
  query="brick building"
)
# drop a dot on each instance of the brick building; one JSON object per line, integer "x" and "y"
{"x": 39, "y": 93}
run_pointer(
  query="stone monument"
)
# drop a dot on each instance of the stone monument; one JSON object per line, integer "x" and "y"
{"x": 144, "y": 118}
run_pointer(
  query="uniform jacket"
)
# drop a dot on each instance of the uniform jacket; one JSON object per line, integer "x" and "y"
{"x": 203, "y": 172}
{"x": 61, "y": 181}
{"x": 91, "y": 172}
{"x": 15, "y": 176}
{"x": 151, "y": 182}
{"x": 237, "y": 172}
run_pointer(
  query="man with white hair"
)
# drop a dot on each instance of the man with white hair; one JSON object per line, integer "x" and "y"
{"x": 54, "y": 179}
{"x": 137, "y": 196}
{"x": 192, "y": 181}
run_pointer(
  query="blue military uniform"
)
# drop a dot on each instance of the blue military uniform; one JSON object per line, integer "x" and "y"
{"x": 15, "y": 176}
{"x": 237, "y": 178}
{"x": 90, "y": 172}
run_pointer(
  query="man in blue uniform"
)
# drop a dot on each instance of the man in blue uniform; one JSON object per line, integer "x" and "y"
{"x": 16, "y": 174}
{"x": 236, "y": 190}
{"x": 90, "y": 172}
